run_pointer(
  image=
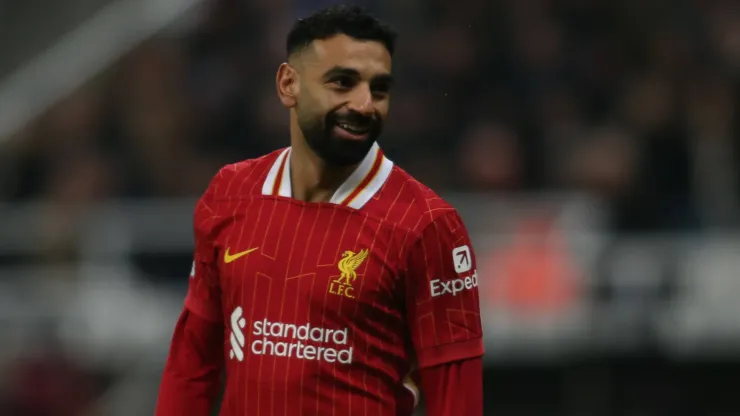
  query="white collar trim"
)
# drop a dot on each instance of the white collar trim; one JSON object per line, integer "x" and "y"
{"x": 355, "y": 192}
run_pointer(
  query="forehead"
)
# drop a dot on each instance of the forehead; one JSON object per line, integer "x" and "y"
{"x": 368, "y": 57}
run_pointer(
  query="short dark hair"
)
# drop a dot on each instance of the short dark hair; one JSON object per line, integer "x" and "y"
{"x": 350, "y": 20}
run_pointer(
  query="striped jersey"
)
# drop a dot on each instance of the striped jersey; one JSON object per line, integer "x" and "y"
{"x": 328, "y": 308}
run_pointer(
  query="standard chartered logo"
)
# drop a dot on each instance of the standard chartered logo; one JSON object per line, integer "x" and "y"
{"x": 237, "y": 335}
{"x": 280, "y": 339}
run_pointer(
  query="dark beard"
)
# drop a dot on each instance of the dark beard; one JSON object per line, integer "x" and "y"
{"x": 335, "y": 151}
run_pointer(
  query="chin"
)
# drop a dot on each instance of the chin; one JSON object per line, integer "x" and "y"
{"x": 343, "y": 155}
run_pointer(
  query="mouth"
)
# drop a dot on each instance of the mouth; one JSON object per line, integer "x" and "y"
{"x": 352, "y": 131}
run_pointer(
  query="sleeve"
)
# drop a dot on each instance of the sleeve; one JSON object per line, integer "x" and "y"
{"x": 454, "y": 389}
{"x": 191, "y": 379}
{"x": 204, "y": 294}
{"x": 442, "y": 303}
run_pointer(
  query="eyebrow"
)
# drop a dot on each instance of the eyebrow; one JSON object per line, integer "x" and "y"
{"x": 353, "y": 73}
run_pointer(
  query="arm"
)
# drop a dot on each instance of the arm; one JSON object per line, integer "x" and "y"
{"x": 190, "y": 383}
{"x": 444, "y": 317}
{"x": 454, "y": 388}
{"x": 191, "y": 378}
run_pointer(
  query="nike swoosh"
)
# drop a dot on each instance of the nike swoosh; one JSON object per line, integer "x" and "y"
{"x": 228, "y": 258}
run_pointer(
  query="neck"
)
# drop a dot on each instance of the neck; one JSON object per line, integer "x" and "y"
{"x": 312, "y": 179}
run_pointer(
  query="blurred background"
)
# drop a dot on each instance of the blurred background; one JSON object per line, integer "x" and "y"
{"x": 590, "y": 145}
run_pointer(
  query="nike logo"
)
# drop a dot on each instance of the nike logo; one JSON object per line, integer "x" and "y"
{"x": 228, "y": 258}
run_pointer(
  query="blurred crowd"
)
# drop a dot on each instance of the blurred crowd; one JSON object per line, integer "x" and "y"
{"x": 633, "y": 101}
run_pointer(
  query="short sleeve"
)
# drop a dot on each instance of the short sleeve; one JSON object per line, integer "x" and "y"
{"x": 204, "y": 294}
{"x": 442, "y": 303}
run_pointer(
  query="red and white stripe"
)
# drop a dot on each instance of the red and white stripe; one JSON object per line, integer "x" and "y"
{"x": 355, "y": 192}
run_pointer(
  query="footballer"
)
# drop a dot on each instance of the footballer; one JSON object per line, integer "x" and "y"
{"x": 326, "y": 280}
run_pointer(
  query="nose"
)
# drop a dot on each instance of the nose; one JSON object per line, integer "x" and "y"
{"x": 361, "y": 100}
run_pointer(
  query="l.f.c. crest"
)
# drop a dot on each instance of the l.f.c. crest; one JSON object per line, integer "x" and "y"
{"x": 347, "y": 266}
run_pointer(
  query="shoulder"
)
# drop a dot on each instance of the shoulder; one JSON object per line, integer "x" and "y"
{"x": 234, "y": 181}
{"x": 241, "y": 179}
{"x": 409, "y": 204}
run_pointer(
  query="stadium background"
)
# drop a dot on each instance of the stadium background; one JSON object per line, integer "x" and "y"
{"x": 590, "y": 145}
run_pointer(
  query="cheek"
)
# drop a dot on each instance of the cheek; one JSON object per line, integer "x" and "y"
{"x": 308, "y": 105}
{"x": 321, "y": 104}
{"x": 382, "y": 108}
{"x": 322, "y": 97}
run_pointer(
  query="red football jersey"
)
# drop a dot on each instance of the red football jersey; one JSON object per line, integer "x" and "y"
{"x": 328, "y": 307}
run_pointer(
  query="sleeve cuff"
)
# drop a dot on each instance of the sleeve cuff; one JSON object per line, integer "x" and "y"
{"x": 197, "y": 307}
{"x": 433, "y": 356}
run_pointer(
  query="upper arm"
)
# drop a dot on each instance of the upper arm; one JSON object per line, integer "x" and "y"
{"x": 442, "y": 303}
{"x": 204, "y": 294}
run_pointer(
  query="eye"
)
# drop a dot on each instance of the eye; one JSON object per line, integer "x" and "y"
{"x": 342, "y": 83}
{"x": 380, "y": 90}
{"x": 380, "y": 95}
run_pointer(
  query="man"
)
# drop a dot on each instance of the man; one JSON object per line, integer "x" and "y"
{"x": 327, "y": 279}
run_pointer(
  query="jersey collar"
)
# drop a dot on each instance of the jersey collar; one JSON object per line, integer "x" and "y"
{"x": 355, "y": 192}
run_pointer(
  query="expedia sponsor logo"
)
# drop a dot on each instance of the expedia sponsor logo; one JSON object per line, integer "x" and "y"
{"x": 439, "y": 287}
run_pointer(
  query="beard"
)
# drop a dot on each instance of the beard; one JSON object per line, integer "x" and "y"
{"x": 336, "y": 151}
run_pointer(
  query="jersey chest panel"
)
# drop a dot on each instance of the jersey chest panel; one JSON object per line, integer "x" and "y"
{"x": 287, "y": 261}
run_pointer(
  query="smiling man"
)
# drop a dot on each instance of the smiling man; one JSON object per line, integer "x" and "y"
{"x": 326, "y": 280}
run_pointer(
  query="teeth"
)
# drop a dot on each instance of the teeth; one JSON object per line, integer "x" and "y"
{"x": 351, "y": 128}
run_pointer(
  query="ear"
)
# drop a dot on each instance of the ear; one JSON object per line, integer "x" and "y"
{"x": 287, "y": 85}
